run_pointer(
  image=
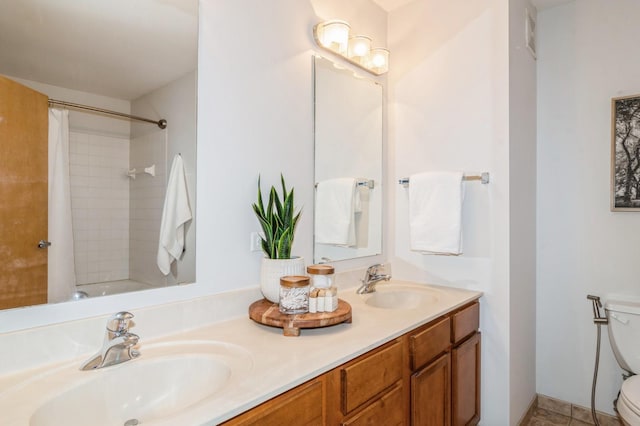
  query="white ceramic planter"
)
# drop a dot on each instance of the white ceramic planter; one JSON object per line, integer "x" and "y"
{"x": 271, "y": 271}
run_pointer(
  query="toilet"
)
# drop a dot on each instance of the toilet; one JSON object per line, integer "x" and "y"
{"x": 624, "y": 336}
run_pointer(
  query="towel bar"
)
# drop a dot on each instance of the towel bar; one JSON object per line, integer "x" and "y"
{"x": 482, "y": 177}
{"x": 369, "y": 183}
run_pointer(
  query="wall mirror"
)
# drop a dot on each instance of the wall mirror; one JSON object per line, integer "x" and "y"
{"x": 134, "y": 57}
{"x": 348, "y": 137}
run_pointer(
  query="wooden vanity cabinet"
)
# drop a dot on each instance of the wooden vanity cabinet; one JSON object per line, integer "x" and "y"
{"x": 430, "y": 376}
{"x": 445, "y": 370}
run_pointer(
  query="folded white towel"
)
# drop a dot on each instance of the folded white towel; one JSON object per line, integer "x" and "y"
{"x": 175, "y": 214}
{"x": 335, "y": 209}
{"x": 435, "y": 212}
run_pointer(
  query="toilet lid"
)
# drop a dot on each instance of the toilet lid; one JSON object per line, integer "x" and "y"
{"x": 630, "y": 393}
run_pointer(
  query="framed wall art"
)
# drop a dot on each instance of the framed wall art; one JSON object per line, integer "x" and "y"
{"x": 625, "y": 153}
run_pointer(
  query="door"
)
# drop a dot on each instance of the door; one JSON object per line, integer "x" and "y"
{"x": 466, "y": 382}
{"x": 431, "y": 394}
{"x": 23, "y": 194}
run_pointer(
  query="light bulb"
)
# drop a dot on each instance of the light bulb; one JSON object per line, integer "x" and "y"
{"x": 334, "y": 35}
{"x": 379, "y": 62}
{"x": 359, "y": 47}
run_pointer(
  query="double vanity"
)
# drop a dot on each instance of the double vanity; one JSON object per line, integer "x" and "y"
{"x": 411, "y": 352}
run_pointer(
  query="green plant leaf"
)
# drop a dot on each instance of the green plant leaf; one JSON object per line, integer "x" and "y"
{"x": 278, "y": 221}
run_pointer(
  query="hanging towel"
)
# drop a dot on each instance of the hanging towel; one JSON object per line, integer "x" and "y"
{"x": 60, "y": 265}
{"x": 435, "y": 212}
{"x": 175, "y": 215}
{"x": 335, "y": 209}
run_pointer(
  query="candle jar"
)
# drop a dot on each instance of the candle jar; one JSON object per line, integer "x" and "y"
{"x": 322, "y": 276}
{"x": 294, "y": 294}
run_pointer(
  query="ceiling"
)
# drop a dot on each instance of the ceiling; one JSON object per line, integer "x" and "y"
{"x": 390, "y": 5}
{"x": 117, "y": 48}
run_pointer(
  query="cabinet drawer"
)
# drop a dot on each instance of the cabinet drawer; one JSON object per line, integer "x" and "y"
{"x": 387, "y": 410}
{"x": 299, "y": 406}
{"x": 430, "y": 342}
{"x": 465, "y": 322}
{"x": 369, "y": 375}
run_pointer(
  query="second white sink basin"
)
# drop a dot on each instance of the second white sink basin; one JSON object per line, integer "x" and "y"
{"x": 401, "y": 297}
{"x": 166, "y": 380}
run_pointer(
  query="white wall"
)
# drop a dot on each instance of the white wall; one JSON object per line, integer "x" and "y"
{"x": 522, "y": 217}
{"x": 586, "y": 56}
{"x": 451, "y": 98}
{"x": 146, "y": 204}
{"x": 176, "y": 103}
{"x": 256, "y": 99}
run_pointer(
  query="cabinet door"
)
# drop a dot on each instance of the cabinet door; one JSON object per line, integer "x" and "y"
{"x": 466, "y": 382}
{"x": 299, "y": 406}
{"x": 431, "y": 394}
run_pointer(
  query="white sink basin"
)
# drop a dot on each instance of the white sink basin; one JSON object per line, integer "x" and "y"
{"x": 165, "y": 380}
{"x": 401, "y": 297}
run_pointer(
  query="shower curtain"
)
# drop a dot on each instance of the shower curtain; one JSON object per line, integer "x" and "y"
{"x": 62, "y": 275}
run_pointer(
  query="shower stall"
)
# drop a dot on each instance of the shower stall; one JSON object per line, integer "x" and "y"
{"x": 116, "y": 213}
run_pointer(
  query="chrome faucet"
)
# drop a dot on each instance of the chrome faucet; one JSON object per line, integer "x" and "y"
{"x": 372, "y": 277}
{"x": 118, "y": 344}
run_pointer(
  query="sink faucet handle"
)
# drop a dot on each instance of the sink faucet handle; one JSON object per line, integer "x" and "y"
{"x": 119, "y": 323}
{"x": 373, "y": 269}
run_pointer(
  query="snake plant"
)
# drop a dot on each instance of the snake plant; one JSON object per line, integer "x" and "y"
{"x": 278, "y": 221}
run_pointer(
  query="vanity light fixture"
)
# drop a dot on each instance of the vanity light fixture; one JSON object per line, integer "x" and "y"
{"x": 333, "y": 36}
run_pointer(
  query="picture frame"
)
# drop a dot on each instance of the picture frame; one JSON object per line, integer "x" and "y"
{"x": 625, "y": 153}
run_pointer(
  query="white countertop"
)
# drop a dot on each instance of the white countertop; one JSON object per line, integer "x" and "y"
{"x": 278, "y": 363}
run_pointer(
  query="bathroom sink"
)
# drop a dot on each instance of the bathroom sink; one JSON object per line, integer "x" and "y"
{"x": 401, "y": 296}
{"x": 166, "y": 380}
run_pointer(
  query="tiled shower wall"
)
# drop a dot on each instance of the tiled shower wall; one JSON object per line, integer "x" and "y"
{"x": 147, "y": 201}
{"x": 100, "y": 206}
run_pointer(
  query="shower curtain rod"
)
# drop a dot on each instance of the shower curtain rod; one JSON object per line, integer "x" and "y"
{"x": 160, "y": 123}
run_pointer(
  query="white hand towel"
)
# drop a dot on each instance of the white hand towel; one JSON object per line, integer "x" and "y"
{"x": 175, "y": 215}
{"x": 335, "y": 209}
{"x": 435, "y": 212}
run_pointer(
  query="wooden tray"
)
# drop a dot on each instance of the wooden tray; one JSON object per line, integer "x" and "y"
{"x": 268, "y": 313}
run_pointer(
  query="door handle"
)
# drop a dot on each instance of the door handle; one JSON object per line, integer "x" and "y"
{"x": 44, "y": 244}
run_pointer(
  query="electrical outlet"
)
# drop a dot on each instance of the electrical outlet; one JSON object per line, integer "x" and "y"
{"x": 256, "y": 242}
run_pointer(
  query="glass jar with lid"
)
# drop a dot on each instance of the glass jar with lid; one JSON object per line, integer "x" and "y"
{"x": 322, "y": 276}
{"x": 294, "y": 294}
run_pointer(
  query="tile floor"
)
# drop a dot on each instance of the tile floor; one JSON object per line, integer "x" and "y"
{"x": 542, "y": 417}
{"x": 548, "y": 411}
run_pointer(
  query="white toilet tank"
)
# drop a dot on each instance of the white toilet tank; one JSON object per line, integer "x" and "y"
{"x": 624, "y": 331}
